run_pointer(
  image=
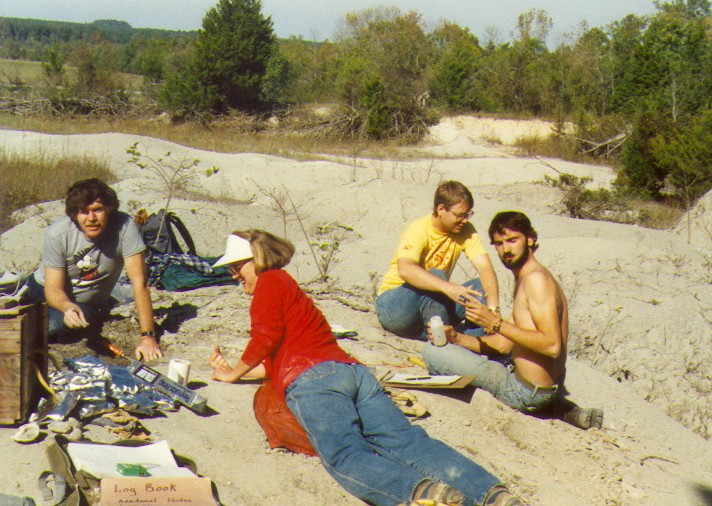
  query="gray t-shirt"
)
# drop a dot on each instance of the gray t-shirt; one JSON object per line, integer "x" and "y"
{"x": 91, "y": 268}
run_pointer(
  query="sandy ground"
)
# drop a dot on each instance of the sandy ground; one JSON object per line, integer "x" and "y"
{"x": 641, "y": 307}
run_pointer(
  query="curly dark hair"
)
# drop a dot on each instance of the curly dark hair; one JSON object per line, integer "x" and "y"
{"x": 513, "y": 220}
{"x": 84, "y": 192}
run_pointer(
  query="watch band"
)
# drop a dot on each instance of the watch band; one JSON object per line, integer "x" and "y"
{"x": 497, "y": 326}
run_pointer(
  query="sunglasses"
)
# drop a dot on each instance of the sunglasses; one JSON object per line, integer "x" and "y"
{"x": 237, "y": 266}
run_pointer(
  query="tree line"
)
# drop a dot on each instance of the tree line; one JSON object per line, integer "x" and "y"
{"x": 643, "y": 80}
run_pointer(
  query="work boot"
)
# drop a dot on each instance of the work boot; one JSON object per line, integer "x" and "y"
{"x": 439, "y": 492}
{"x": 501, "y": 496}
{"x": 584, "y": 418}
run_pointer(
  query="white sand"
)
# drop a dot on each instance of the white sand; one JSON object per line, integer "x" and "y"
{"x": 640, "y": 344}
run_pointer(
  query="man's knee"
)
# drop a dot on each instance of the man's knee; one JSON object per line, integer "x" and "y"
{"x": 56, "y": 329}
{"x": 476, "y": 285}
{"x": 439, "y": 273}
{"x": 397, "y": 311}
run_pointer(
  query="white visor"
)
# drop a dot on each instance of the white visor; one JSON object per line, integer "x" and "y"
{"x": 236, "y": 249}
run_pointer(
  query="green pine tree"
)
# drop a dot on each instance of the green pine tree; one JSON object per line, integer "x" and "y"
{"x": 233, "y": 50}
{"x": 229, "y": 62}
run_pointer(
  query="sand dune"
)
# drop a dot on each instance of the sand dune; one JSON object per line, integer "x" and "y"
{"x": 640, "y": 344}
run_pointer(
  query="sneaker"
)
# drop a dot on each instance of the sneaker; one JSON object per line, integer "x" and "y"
{"x": 440, "y": 492}
{"x": 501, "y": 496}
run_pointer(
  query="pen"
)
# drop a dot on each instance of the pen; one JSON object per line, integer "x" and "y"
{"x": 415, "y": 378}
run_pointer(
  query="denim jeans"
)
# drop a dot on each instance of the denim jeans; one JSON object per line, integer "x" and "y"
{"x": 405, "y": 310}
{"x": 57, "y": 331}
{"x": 496, "y": 377}
{"x": 368, "y": 445}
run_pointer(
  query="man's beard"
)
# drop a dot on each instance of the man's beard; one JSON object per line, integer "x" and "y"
{"x": 512, "y": 263}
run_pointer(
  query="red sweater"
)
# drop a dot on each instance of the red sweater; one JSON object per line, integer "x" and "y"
{"x": 288, "y": 332}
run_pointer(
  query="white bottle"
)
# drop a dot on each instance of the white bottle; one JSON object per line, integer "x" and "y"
{"x": 437, "y": 330}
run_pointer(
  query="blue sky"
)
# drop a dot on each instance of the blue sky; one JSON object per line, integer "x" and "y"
{"x": 319, "y": 19}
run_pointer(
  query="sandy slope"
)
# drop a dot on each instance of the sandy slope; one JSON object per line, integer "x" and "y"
{"x": 640, "y": 319}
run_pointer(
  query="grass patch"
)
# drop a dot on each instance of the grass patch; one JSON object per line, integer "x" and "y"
{"x": 563, "y": 148}
{"x": 221, "y": 136}
{"x": 603, "y": 205}
{"x": 31, "y": 73}
{"x": 251, "y": 135}
{"x": 20, "y": 71}
{"x": 28, "y": 181}
{"x": 615, "y": 205}
{"x": 657, "y": 215}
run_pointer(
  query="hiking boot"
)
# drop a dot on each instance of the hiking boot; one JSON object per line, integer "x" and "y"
{"x": 585, "y": 418}
{"x": 501, "y": 496}
{"x": 440, "y": 492}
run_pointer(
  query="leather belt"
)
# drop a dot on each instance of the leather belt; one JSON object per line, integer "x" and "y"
{"x": 533, "y": 387}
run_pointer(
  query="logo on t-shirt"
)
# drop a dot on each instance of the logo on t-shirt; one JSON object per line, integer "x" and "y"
{"x": 441, "y": 255}
{"x": 88, "y": 268}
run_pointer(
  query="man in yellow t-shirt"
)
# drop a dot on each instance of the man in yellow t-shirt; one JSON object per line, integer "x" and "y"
{"x": 417, "y": 285}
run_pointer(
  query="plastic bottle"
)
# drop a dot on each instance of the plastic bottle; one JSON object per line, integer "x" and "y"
{"x": 437, "y": 330}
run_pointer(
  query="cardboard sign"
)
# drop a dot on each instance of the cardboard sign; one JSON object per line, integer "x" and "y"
{"x": 193, "y": 491}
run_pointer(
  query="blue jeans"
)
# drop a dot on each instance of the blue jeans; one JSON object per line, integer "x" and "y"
{"x": 368, "y": 445}
{"x": 57, "y": 331}
{"x": 405, "y": 310}
{"x": 496, "y": 377}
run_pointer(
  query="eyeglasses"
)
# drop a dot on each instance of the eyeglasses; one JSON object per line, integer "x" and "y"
{"x": 462, "y": 216}
{"x": 237, "y": 267}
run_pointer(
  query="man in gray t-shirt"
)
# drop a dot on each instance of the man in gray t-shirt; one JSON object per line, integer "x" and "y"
{"x": 84, "y": 254}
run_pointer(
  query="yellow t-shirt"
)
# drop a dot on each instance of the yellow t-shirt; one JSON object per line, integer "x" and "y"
{"x": 432, "y": 249}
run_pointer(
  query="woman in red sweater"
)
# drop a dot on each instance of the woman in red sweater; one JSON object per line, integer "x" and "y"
{"x": 363, "y": 440}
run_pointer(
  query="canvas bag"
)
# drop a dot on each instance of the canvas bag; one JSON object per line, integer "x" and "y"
{"x": 179, "y": 276}
{"x": 78, "y": 488}
{"x": 278, "y": 422}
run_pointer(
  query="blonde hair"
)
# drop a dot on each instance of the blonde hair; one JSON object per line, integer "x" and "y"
{"x": 269, "y": 251}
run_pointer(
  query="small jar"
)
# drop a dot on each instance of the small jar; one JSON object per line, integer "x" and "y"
{"x": 437, "y": 331}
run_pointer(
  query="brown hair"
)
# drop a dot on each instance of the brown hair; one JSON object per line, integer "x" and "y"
{"x": 82, "y": 193}
{"x": 515, "y": 221}
{"x": 269, "y": 251}
{"x": 451, "y": 193}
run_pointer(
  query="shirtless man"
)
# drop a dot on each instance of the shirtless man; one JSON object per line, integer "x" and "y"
{"x": 535, "y": 335}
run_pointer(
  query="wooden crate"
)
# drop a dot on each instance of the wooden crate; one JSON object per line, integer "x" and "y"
{"x": 23, "y": 349}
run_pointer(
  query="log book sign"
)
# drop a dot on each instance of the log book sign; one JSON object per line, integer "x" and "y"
{"x": 166, "y": 483}
{"x": 171, "y": 491}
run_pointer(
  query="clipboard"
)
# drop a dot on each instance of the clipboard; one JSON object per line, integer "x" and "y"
{"x": 423, "y": 384}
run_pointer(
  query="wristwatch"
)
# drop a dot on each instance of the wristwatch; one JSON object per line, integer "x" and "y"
{"x": 497, "y": 326}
